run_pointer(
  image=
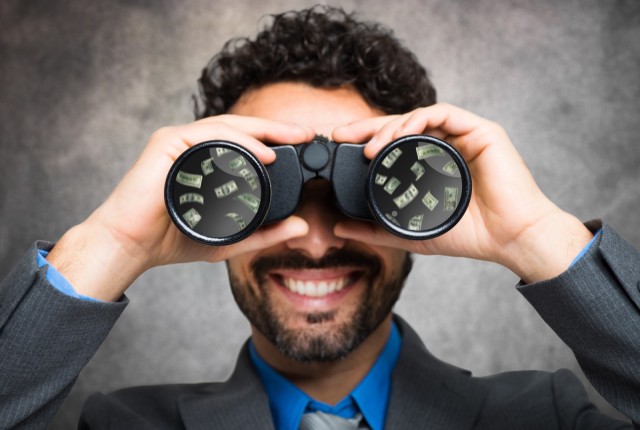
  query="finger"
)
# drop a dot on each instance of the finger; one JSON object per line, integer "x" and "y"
{"x": 372, "y": 234}
{"x": 450, "y": 119}
{"x": 362, "y": 130}
{"x": 469, "y": 133}
{"x": 251, "y": 133}
{"x": 267, "y": 236}
{"x": 266, "y": 130}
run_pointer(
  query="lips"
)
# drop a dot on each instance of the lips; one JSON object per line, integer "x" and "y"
{"x": 316, "y": 284}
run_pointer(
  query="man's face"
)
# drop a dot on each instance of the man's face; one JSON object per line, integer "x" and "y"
{"x": 316, "y": 297}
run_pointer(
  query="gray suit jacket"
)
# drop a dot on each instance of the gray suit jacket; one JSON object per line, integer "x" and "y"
{"x": 594, "y": 307}
{"x": 426, "y": 394}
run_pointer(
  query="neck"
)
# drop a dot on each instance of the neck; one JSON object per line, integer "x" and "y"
{"x": 327, "y": 382}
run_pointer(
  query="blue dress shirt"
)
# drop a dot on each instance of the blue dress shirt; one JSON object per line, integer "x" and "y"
{"x": 287, "y": 402}
{"x": 56, "y": 279}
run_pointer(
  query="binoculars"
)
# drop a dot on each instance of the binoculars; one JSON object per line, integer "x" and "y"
{"x": 418, "y": 187}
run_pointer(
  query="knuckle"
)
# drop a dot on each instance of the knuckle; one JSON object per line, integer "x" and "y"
{"x": 163, "y": 133}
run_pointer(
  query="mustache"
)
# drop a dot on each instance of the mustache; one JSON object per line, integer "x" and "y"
{"x": 296, "y": 260}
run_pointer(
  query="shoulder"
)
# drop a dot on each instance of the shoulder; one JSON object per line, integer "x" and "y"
{"x": 549, "y": 399}
{"x": 152, "y": 407}
{"x": 511, "y": 386}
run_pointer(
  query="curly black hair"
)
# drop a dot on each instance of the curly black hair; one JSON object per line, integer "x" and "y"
{"x": 324, "y": 47}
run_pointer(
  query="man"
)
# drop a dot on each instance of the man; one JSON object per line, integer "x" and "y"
{"x": 318, "y": 288}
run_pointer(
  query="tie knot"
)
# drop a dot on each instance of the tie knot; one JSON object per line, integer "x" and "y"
{"x": 323, "y": 421}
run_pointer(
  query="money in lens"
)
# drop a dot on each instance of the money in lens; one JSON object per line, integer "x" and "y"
{"x": 251, "y": 201}
{"x": 192, "y": 217}
{"x": 249, "y": 177}
{"x": 415, "y": 223}
{"x": 226, "y": 189}
{"x": 237, "y": 163}
{"x": 391, "y": 158}
{"x": 407, "y": 197}
{"x": 221, "y": 151}
{"x": 430, "y": 201}
{"x": 207, "y": 166}
{"x": 450, "y": 198}
{"x": 451, "y": 168}
{"x": 380, "y": 179}
{"x": 189, "y": 179}
{"x": 417, "y": 169}
{"x": 237, "y": 218}
{"x": 428, "y": 151}
{"x": 192, "y": 198}
{"x": 391, "y": 186}
{"x": 392, "y": 219}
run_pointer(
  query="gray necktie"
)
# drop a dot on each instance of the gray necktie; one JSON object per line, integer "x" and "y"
{"x": 321, "y": 421}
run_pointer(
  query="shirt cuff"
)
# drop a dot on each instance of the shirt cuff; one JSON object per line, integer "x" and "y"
{"x": 586, "y": 248}
{"x": 57, "y": 280}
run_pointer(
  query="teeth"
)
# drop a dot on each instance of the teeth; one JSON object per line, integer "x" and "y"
{"x": 315, "y": 289}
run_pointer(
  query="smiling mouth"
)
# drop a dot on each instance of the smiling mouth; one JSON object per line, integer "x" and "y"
{"x": 316, "y": 288}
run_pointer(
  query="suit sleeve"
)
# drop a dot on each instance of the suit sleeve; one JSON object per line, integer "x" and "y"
{"x": 594, "y": 307}
{"x": 46, "y": 338}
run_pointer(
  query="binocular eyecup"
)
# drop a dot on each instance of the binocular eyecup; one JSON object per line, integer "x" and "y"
{"x": 418, "y": 187}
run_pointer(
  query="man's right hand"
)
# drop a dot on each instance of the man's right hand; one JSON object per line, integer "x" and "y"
{"x": 132, "y": 232}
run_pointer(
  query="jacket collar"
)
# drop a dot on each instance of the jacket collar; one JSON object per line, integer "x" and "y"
{"x": 239, "y": 403}
{"x": 429, "y": 393}
{"x": 425, "y": 393}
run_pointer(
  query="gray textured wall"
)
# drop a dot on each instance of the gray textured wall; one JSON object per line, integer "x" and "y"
{"x": 83, "y": 85}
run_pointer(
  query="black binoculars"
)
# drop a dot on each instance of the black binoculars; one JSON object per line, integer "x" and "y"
{"x": 417, "y": 187}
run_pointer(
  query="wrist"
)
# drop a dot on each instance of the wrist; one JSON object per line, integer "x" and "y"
{"x": 95, "y": 263}
{"x": 547, "y": 248}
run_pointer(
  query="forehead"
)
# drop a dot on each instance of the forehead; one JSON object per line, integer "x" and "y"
{"x": 320, "y": 108}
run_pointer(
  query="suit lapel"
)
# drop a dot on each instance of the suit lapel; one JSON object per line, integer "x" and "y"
{"x": 238, "y": 404}
{"x": 428, "y": 393}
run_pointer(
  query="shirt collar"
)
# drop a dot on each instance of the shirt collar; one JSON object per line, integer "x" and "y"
{"x": 371, "y": 396}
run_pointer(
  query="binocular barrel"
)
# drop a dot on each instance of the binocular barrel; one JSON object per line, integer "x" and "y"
{"x": 418, "y": 187}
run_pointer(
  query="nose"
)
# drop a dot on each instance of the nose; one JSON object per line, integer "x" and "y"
{"x": 320, "y": 213}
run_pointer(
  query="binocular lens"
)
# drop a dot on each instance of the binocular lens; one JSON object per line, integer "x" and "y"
{"x": 215, "y": 193}
{"x": 418, "y": 187}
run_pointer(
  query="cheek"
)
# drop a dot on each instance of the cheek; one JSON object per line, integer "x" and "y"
{"x": 394, "y": 262}
{"x": 239, "y": 267}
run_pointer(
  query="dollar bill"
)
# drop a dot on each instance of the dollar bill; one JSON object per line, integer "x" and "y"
{"x": 221, "y": 151}
{"x": 207, "y": 166}
{"x": 450, "y": 198}
{"x": 251, "y": 201}
{"x": 428, "y": 151}
{"x": 249, "y": 177}
{"x": 415, "y": 223}
{"x": 226, "y": 189}
{"x": 252, "y": 181}
{"x": 237, "y": 163}
{"x": 392, "y": 219}
{"x": 391, "y": 158}
{"x": 451, "y": 168}
{"x": 189, "y": 179}
{"x": 192, "y": 198}
{"x": 237, "y": 218}
{"x": 417, "y": 169}
{"x": 391, "y": 186}
{"x": 430, "y": 201}
{"x": 192, "y": 217}
{"x": 407, "y": 197}
{"x": 380, "y": 179}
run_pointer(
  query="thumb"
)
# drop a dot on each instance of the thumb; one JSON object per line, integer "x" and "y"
{"x": 270, "y": 235}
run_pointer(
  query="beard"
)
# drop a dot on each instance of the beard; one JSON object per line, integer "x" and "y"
{"x": 316, "y": 343}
